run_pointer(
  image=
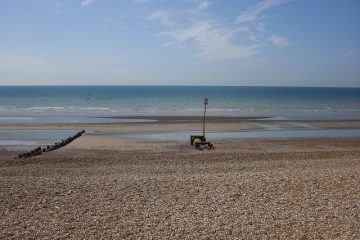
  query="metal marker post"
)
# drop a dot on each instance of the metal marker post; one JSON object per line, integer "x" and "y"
{"x": 206, "y": 101}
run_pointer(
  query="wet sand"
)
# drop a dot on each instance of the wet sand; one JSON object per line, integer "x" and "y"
{"x": 99, "y": 187}
{"x": 189, "y": 123}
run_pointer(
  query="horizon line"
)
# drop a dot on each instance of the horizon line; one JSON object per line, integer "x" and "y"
{"x": 167, "y": 85}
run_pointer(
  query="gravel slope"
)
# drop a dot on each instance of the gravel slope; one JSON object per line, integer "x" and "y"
{"x": 298, "y": 189}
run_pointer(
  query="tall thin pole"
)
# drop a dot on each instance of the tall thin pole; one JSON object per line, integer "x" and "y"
{"x": 204, "y": 122}
{"x": 205, "y": 103}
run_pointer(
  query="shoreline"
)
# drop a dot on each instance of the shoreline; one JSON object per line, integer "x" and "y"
{"x": 185, "y": 120}
{"x": 192, "y": 119}
{"x": 174, "y": 129}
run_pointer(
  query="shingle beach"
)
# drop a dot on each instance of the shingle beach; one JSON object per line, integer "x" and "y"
{"x": 268, "y": 189}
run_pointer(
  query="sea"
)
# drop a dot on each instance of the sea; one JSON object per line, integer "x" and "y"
{"x": 98, "y": 104}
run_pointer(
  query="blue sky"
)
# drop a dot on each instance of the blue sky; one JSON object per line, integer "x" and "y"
{"x": 187, "y": 42}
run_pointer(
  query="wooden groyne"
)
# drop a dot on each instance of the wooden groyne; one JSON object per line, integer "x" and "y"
{"x": 39, "y": 150}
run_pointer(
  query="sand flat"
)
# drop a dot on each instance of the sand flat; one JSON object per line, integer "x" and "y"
{"x": 283, "y": 189}
{"x": 190, "y": 123}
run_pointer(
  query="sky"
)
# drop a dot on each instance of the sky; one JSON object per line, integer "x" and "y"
{"x": 180, "y": 42}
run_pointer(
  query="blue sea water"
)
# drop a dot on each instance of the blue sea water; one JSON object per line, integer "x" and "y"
{"x": 78, "y": 104}
{"x": 93, "y": 104}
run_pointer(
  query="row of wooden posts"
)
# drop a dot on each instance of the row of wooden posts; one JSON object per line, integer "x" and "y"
{"x": 38, "y": 151}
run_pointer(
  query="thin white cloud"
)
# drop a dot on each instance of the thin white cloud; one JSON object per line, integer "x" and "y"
{"x": 349, "y": 52}
{"x": 279, "y": 41}
{"x": 203, "y": 4}
{"x": 86, "y": 2}
{"x": 214, "y": 43}
{"x": 253, "y": 12}
{"x": 214, "y": 40}
{"x": 253, "y": 19}
{"x": 163, "y": 17}
{"x": 58, "y": 8}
